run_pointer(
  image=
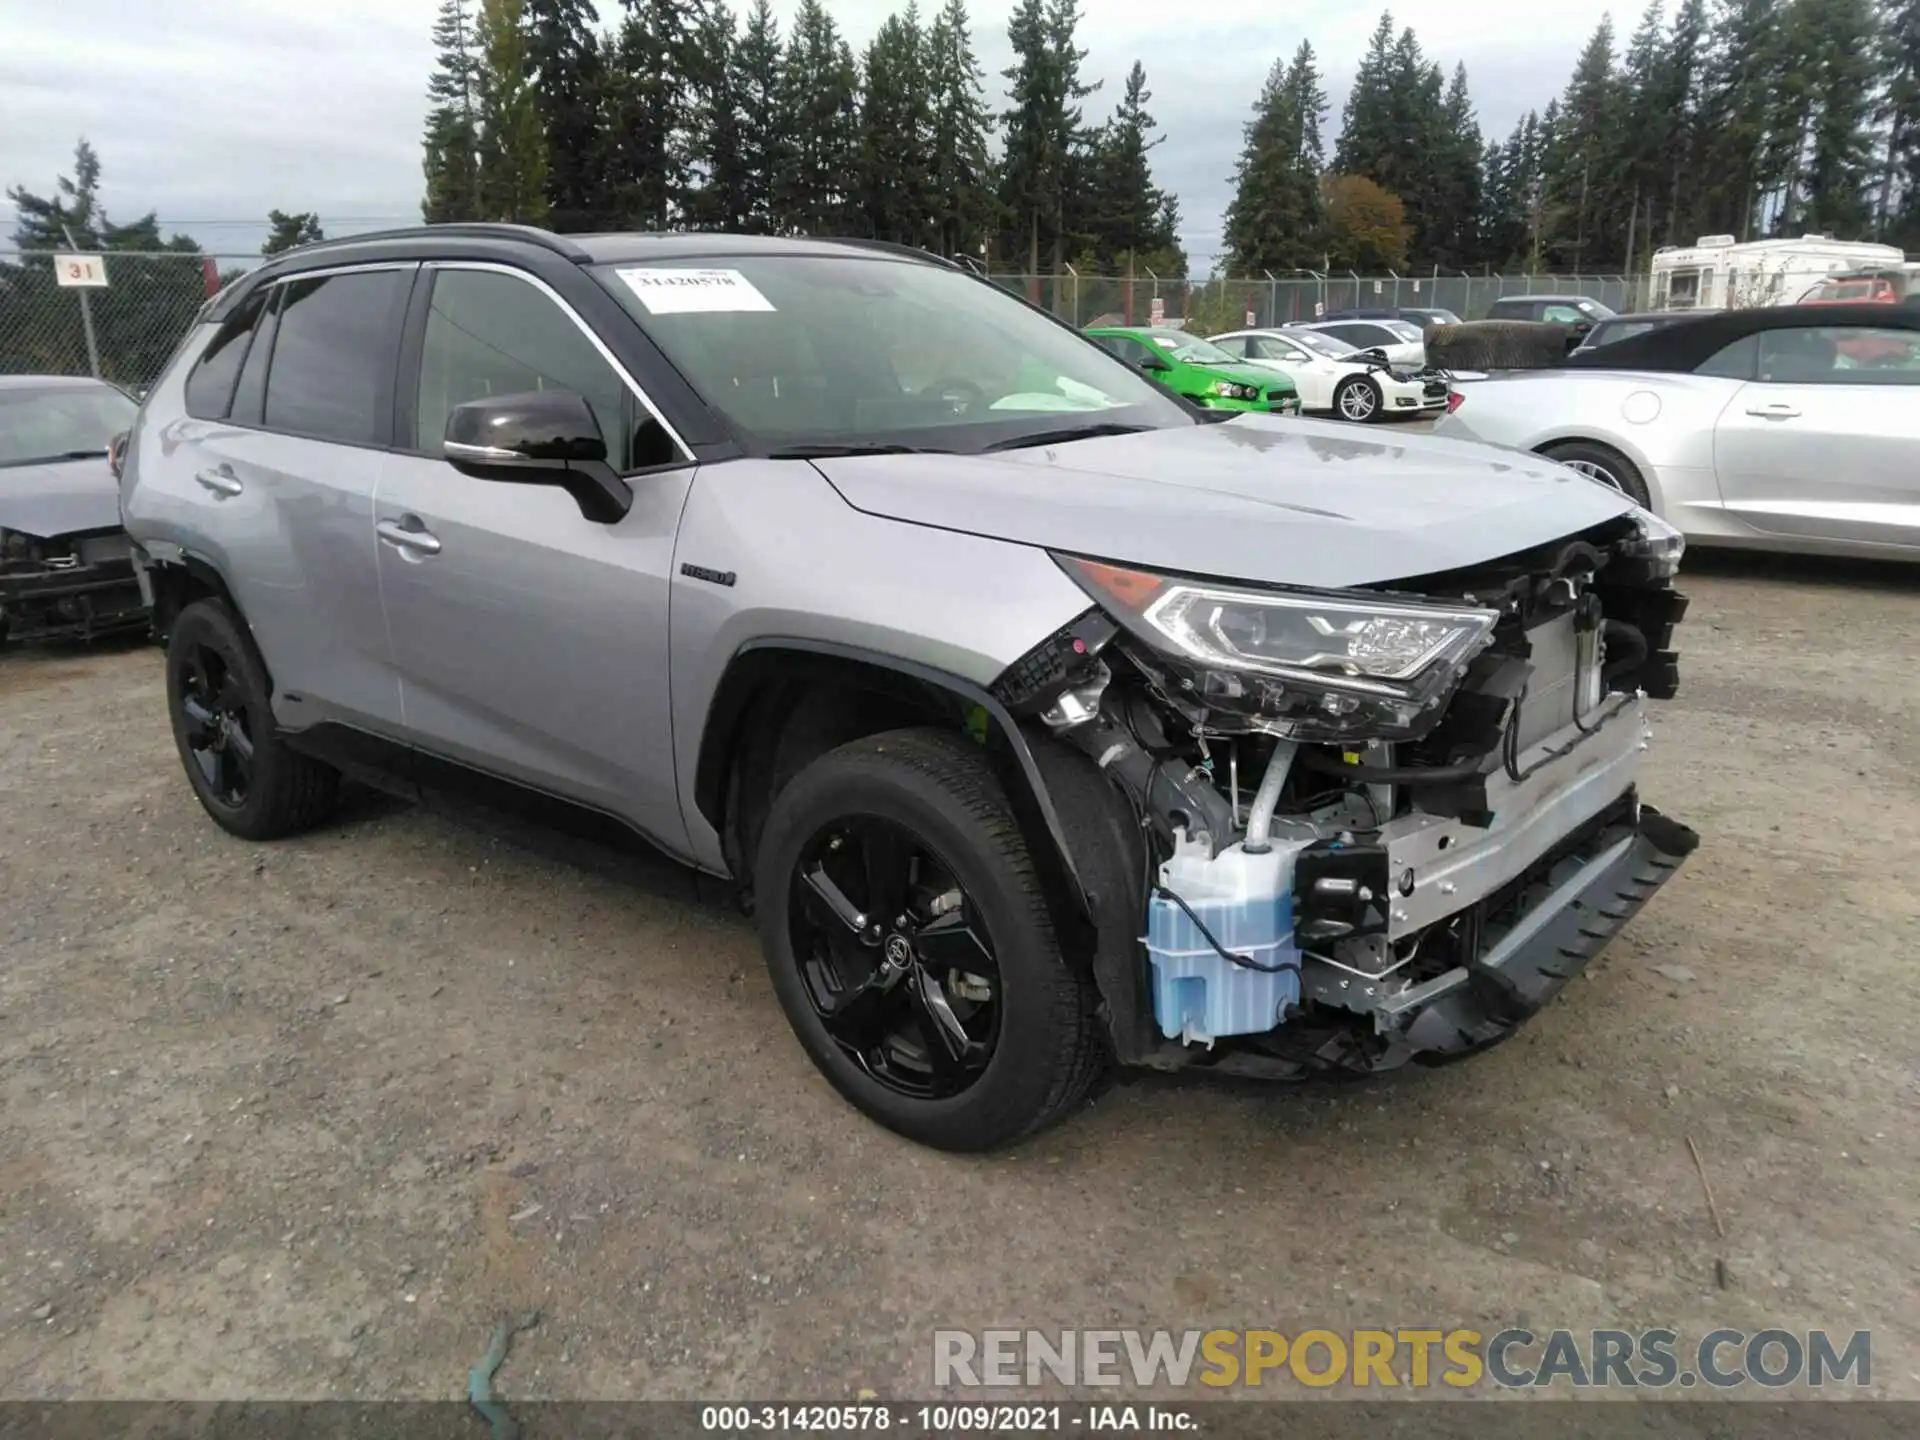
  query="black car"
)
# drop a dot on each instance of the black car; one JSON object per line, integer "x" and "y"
{"x": 1421, "y": 317}
{"x": 66, "y": 571}
{"x": 1578, "y": 314}
{"x": 1625, "y": 327}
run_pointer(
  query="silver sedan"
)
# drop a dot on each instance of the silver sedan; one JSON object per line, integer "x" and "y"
{"x": 1796, "y": 428}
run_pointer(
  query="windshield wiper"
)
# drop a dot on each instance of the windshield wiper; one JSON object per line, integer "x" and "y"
{"x": 1062, "y": 437}
{"x": 828, "y": 452}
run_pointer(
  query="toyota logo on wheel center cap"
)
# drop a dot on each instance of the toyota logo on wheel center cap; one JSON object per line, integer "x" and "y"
{"x": 899, "y": 952}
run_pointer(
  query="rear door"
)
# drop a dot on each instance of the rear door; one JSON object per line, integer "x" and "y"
{"x": 531, "y": 642}
{"x": 271, "y": 480}
{"x": 1823, "y": 440}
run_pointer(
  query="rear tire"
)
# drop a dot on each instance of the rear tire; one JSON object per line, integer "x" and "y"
{"x": 1357, "y": 398}
{"x": 1041, "y": 1045}
{"x": 243, "y": 773}
{"x": 1604, "y": 464}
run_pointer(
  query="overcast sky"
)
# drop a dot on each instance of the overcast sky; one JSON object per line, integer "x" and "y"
{"x": 213, "y": 113}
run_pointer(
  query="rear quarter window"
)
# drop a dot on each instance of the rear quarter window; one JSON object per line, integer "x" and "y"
{"x": 209, "y": 389}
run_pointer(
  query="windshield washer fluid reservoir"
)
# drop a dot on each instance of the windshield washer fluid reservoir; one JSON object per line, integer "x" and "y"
{"x": 1247, "y": 902}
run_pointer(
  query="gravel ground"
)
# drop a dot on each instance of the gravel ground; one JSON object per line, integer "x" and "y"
{"x": 301, "y": 1120}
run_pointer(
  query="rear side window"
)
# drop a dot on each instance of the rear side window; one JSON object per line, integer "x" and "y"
{"x": 1732, "y": 362}
{"x": 333, "y": 357}
{"x": 210, "y": 383}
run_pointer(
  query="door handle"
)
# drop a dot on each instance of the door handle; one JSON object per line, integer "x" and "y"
{"x": 421, "y": 542}
{"x": 220, "y": 482}
{"x": 1775, "y": 411}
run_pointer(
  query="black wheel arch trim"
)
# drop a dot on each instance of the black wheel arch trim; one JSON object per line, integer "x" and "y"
{"x": 1086, "y": 843}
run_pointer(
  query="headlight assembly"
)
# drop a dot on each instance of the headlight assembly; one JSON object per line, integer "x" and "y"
{"x": 1304, "y": 664}
{"x": 1658, "y": 543}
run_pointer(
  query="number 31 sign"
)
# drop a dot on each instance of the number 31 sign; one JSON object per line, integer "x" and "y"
{"x": 89, "y": 271}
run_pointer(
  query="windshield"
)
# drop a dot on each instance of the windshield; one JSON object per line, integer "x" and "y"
{"x": 1321, "y": 343}
{"x": 1593, "y": 309}
{"x": 860, "y": 351}
{"x": 39, "y": 423}
{"x": 1402, "y": 331}
{"x": 1191, "y": 349}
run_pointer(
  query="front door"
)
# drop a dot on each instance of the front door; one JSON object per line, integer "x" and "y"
{"x": 1824, "y": 439}
{"x": 531, "y": 642}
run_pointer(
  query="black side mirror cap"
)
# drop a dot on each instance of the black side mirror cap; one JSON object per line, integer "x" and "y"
{"x": 540, "y": 437}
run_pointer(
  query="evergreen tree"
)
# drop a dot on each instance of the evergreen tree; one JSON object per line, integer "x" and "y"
{"x": 1581, "y": 176}
{"x": 1046, "y": 143}
{"x": 1843, "y": 44}
{"x": 1645, "y": 136}
{"x": 1900, "y": 112}
{"x": 896, "y": 134}
{"x": 285, "y": 231}
{"x": 1275, "y": 220}
{"x": 154, "y": 300}
{"x": 1680, "y": 99}
{"x": 453, "y": 124}
{"x": 649, "y": 100}
{"x": 958, "y": 168}
{"x": 1368, "y": 139}
{"x": 568, "y": 83}
{"x": 512, "y": 179}
{"x": 1452, "y": 238}
{"x": 1126, "y": 210}
{"x": 720, "y": 191}
{"x": 814, "y": 194}
{"x": 1735, "y": 107}
{"x": 754, "y": 78}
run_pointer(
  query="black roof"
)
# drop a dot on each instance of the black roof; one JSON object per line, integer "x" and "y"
{"x": 1657, "y": 317}
{"x": 1688, "y": 345}
{"x": 480, "y": 241}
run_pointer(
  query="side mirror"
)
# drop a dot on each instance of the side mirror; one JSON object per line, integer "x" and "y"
{"x": 1374, "y": 355}
{"x": 542, "y": 437}
{"x": 1154, "y": 364}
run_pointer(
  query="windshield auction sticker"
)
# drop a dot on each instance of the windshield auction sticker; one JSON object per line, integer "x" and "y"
{"x": 680, "y": 291}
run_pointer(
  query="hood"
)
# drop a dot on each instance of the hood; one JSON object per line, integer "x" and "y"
{"x": 59, "y": 498}
{"x": 1279, "y": 501}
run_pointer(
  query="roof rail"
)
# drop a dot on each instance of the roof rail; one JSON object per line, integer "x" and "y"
{"x": 475, "y": 229}
{"x": 891, "y": 247}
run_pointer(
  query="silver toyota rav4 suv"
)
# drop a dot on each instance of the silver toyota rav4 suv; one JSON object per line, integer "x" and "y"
{"x": 1045, "y": 720}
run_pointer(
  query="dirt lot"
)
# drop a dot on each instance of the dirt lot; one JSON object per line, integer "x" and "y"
{"x": 301, "y": 1120}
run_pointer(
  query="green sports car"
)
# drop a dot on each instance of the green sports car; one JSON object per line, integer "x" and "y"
{"x": 1200, "y": 370}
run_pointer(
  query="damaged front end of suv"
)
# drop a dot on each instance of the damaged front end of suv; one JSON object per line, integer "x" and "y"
{"x": 1370, "y": 826}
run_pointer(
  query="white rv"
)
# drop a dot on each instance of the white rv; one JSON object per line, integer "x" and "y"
{"x": 1718, "y": 273}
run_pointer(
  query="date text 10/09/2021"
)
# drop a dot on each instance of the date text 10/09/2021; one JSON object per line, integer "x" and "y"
{"x": 945, "y": 1419}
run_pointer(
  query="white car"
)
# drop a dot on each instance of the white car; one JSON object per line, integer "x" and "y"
{"x": 1401, "y": 341}
{"x": 1796, "y": 428}
{"x": 1332, "y": 375}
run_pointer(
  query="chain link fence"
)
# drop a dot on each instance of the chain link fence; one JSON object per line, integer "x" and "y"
{"x": 1232, "y": 303}
{"x": 122, "y": 330}
{"x": 125, "y": 330}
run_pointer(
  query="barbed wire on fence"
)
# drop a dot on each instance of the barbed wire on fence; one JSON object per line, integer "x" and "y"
{"x": 151, "y": 297}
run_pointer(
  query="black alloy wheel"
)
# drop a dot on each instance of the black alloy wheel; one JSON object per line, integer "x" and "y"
{"x": 214, "y": 727}
{"x": 242, "y": 770}
{"x": 895, "y": 959}
{"x": 910, "y": 942}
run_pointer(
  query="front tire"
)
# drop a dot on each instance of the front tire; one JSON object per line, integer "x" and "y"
{"x": 1357, "y": 399}
{"x": 244, "y": 775}
{"x": 1605, "y": 464}
{"x": 909, "y": 942}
